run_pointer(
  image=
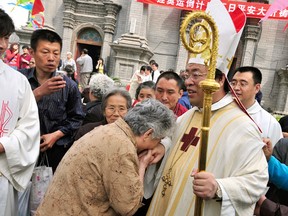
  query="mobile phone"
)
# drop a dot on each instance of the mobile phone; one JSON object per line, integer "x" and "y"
{"x": 60, "y": 73}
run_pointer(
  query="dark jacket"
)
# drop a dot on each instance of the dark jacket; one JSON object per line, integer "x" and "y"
{"x": 93, "y": 112}
{"x": 88, "y": 127}
{"x": 275, "y": 194}
{"x": 269, "y": 208}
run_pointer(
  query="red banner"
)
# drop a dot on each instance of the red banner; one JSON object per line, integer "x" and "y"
{"x": 251, "y": 9}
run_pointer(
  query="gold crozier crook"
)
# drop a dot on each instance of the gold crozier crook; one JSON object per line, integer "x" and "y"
{"x": 205, "y": 45}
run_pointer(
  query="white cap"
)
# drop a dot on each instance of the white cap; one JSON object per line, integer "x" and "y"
{"x": 230, "y": 27}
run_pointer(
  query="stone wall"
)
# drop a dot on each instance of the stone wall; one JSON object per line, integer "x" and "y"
{"x": 157, "y": 34}
{"x": 271, "y": 55}
{"x": 163, "y": 36}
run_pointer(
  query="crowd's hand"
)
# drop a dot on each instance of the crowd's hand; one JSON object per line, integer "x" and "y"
{"x": 139, "y": 78}
{"x": 27, "y": 62}
{"x": 268, "y": 148}
{"x": 52, "y": 85}
{"x": 48, "y": 140}
{"x": 158, "y": 152}
{"x": 285, "y": 134}
{"x": 204, "y": 184}
{"x": 145, "y": 158}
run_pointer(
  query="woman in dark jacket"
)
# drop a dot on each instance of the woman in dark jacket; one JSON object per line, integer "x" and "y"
{"x": 99, "y": 85}
{"x": 115, "y": 104}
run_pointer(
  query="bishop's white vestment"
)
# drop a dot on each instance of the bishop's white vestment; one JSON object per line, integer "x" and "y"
{"x": 234, "y": 156}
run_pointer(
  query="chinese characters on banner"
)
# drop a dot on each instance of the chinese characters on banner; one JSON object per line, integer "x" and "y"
{"x": 251, "y": 9}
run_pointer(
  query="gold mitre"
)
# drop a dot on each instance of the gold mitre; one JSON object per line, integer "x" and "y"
{"x": 230, "y": 27}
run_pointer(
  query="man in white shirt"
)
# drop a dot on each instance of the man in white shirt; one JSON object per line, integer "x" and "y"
{"x": 246, "y": 83}
{"x": 86, "y": 67}
{"x": 19, "y": 128}
{"x": 155, "y": 73}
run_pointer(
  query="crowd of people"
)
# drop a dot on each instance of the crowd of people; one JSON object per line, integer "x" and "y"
{"x": 135, "y": 151}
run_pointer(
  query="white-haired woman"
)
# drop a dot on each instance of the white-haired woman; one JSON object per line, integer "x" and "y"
{"x": 69, "y": 65}
{"x": 99, "y": 85}
{"x": 101, "y": 174}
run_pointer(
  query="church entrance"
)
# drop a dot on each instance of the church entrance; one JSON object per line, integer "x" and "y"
{"x": 91, "y": 40}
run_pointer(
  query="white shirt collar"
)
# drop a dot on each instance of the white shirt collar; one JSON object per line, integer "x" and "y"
{"x": 254, "y": 108}
{"x": 227, "y": 99}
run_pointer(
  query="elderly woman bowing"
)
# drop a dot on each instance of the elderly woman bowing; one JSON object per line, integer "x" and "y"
{"x": 102, "y": 174}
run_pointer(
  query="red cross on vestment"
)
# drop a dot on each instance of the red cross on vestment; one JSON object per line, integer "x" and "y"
{"x": 189, "y": 139}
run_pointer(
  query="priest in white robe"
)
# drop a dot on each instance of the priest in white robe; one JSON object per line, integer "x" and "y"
{"x": 19, "y": 128}
{"x": 246, "y": 83}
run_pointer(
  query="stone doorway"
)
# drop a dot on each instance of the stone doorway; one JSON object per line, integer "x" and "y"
{"x": 93, "y": 51}
{"x": 91, "y": 40}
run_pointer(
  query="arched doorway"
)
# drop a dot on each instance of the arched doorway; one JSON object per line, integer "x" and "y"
{"x": 90, "y": 39}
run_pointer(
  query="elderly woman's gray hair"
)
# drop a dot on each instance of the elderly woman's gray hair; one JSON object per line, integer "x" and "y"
{"x": 151, "y": 114}
{"x": 100, "y": 84}
{"x": 116, "y": 91}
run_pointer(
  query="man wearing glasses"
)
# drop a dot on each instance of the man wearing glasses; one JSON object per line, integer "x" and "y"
{"x": 246, "y": 83}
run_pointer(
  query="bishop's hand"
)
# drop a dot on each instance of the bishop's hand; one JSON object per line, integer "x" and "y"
{"x": 204, "y": 184}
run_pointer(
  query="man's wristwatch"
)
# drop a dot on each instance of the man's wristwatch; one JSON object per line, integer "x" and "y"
{"x": 218, "y": 194}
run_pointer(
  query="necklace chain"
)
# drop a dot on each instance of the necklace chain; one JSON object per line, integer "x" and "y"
{"x": 167, "y": 179}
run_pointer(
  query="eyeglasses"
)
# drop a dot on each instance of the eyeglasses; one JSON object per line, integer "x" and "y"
{"x": 241, "y": 83}
{"x": 196, "y": 75}
{"x": 111, "y": 110}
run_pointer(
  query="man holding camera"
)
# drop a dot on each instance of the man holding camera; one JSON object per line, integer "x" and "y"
{"x": 57, "y": 96}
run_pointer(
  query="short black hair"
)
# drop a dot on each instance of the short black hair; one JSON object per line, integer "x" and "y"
{"x": 152, "y": 61}
{"x": 6, "y": 24}
{"x": 148, "y": 68}
{"x": 143, "y": 67}
{"x": 44, "y": 35}
{"x": 25, "y": 47}
{"x": 155, "y": 64}
{"x": 144, "y": 85}
{"x": 257, "y": 75}
{"x": 171, "y": 75}
{"x": 219, "y": 76}
{"x": 85, "y": 51}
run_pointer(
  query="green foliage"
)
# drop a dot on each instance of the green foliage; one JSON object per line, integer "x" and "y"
{"x": 277, "y": 116}
{"x": 117, "y": 81}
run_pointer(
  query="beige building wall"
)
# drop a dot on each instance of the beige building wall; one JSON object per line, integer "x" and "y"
{"x": 133, "y": 33}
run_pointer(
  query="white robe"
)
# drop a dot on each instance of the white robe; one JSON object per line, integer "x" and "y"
{"x": 135, "y": 82}
{"x": 154, "y": 172}
{"x": 156, "y": 75}
{"x": 268, "y": 124}
{"x": 20, "y": 129}
{"x": 234, "y": 156}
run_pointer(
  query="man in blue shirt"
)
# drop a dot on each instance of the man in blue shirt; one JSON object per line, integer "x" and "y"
{"x": 58, "y": 98}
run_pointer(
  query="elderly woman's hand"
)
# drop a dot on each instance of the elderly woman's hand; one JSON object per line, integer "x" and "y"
{"x": 158, "y": 152}
{"x": 145, "y": 158}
